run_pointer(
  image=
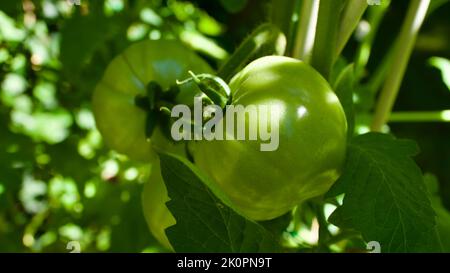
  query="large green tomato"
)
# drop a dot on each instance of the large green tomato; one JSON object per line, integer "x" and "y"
{"x": 120, "y": 121}
{"x": 312, "y": 140}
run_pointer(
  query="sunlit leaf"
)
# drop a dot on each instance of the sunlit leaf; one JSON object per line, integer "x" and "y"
{"x": 63, "y": 190}
{"x": 13, "y": 85}
{"x": 443, "y": 65}
{"x": 209, "y": 26}
{"x": 137, "y": 31}
{"x": 9, "y": 30}
{"x": 52, "y": 127}
{"x": 31, "y": 194}
{"x": 203, "y": 44}
{"x": 151, "y": 17}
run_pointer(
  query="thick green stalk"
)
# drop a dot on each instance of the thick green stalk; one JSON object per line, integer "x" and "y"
{"x": 414, "y": 20}
{"x": 281, "y": 14}
{"x": 267, "y": 39}
{"x": 330, "y": 13}
{"x": 353, "y": 12}
{"x": 306, "y": 32}
{"x": 375, "y": 16}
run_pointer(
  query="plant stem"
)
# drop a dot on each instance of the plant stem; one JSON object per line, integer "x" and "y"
{"x": 344, "y": 235}
{"x": 375, "y": 16}
{"x": 267, "y": 39}
{"x": 350, "y": 19}
{"x": 281, "y": 15}
{"x": 330, "y": 12}
{"x": 306, "y": 33}
{"x": 414, "y": 20}
{"x": 431, "y": 116}
{"x": 324, "y": 233}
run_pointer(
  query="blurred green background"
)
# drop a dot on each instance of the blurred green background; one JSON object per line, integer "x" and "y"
{"x": 59, "y": 183}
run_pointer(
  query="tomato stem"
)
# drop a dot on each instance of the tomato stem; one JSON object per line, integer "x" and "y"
{"x": 306, "y": 32}
{"x": 323, "y": 57}
{"x": 282, "y": 14}
{"x": 267, "y": 39}
{"x": 411, "y": 26}
{"x": 371, "y": 26}
{"x": 212, "y": 86}
{"x": 351, "y": 16}
{"x": 324, "y": 233}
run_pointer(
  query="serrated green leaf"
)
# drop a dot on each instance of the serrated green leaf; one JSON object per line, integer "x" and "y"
{"x": 385, "y": 196}
{"x": 442, "y": 214}
{"x": 344, "y": 90}
{"x": 205, "y": 223}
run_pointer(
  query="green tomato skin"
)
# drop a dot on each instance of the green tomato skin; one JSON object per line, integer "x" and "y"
{"x": 121, "y": 123}
{"x": 154, "y": 198}
{"x": 312, "y": 140}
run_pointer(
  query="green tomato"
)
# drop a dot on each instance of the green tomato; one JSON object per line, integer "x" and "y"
{"x": 312, "y": 140}
{"x": 154, "y": 198}
{"x": 120, "y": 121}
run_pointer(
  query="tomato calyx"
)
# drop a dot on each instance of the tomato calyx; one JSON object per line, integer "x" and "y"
{"x": 155, "y": 104}
{"x": 216, "y": 89}
{"x": 158, "y": 103}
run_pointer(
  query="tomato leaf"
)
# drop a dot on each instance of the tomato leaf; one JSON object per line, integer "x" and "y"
{"x": 442, "y": 213}
{"x": 205, "y": 223}
{"x": 385, "y": 195}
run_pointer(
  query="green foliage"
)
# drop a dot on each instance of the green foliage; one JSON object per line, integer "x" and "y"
{"x": 385, "y": 196}
{"x": 217, "y": 227}
{"x": 442, "y": 214}
{"x": 60, "y": 183}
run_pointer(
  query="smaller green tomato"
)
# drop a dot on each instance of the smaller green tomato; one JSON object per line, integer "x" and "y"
{"x": 121, "y": 123}
{"x": 154, "y": 199}
{"x": 155, "y": 196}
